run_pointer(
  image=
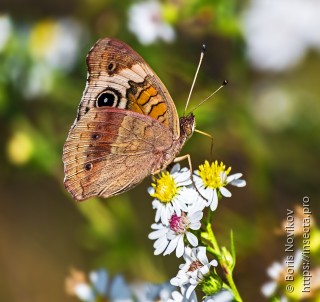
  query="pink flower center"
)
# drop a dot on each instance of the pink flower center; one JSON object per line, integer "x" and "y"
{"x": 179, "y": 224}
{"x": 195, "y": 265}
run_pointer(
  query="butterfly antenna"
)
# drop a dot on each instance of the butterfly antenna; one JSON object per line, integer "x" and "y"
{"x": 195, "y": 77}
{"x": 224, "y": 83}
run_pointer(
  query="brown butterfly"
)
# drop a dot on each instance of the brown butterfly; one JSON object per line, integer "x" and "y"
{"x": 127, "y": 126}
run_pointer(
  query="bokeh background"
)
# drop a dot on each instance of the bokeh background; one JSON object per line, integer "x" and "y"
{"x": 265, "y": 124}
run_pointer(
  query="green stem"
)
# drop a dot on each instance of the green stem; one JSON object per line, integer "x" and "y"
{"x": 229, "y": 277}
{"x": 213, "y": 239}
{"x": 226, "y": 269}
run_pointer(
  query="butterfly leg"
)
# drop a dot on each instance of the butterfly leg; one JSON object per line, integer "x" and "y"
{"x": 187, "y": 156}
{"x": 183, "y": 157}
{"x": 211, "y": 138}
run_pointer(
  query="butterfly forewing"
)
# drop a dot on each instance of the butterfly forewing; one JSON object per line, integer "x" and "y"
{"x": 116, "y": 69}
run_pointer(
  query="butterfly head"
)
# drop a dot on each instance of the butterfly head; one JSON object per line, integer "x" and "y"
{"x": 187, "y": 125}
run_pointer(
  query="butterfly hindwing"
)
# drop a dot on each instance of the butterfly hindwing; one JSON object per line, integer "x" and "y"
{"x": 106, "y": 149}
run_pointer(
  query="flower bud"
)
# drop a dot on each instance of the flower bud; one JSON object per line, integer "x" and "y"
{"x": 227, "y": 258}
{"x": 211, "y": 284}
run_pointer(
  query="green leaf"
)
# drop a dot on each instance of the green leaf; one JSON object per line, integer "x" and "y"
{"x": 233, "y": 249}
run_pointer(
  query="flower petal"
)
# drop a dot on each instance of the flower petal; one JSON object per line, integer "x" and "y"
{"x": 183, "y": 177}
{"x": 119, "y": 290}
{"x": 190, "y": 290}
{"x": 195, "y": 225}
{"x": 166, "y": 213}
{"x": 232, "y": 177}
{"x": 177, "y": 206}
{"x": 175, "y": 169}
{"x": 158, "y": 206}
{"x": 180, "y": 247}
{"x": 151, "y": 190}
{"x": 238, "y": 183}
{"x": 213, "y": 262}
{"x": 201, "y": 255}
{"x": 99, "y": 279}
{"x": 269, "y": 288}
{"x": 172, "y": 245}
{"x": 187, "y": 256}
{"x": 208, "y": 194}
{"x": 84, "y": 292}
{"x": 181, "y": 279}
{"x": 204, "y": 270}
{"x": 214, "y": 203}
{"x": 192, "y": 239}
{"x": 159, "y": 240}
{"x": 158, "y": 233}
{"x": 225, "y": 192}
{"x": 160, "y": 245}
{"x": 196, "y": 216}
{"x": 275, "y": 270}
{"x": 221, "y": 296}
{"x": 156, "y": 226}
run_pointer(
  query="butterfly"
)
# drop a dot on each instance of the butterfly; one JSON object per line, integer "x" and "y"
{"x": 127, "y": 126}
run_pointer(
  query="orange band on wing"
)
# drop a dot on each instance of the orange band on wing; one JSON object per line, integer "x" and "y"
{"x": 145, "y": 98}
{"x": 146, "y": 95}
{"x": 153, "y": 104}
{"x": 158, "y": 112}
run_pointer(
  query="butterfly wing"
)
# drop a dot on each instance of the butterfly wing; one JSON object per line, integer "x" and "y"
{"x": 110, "y": 150}
{"x": 119, "y": 77}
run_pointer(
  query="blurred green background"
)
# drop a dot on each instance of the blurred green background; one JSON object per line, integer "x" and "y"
{"x": 265, "y": 124}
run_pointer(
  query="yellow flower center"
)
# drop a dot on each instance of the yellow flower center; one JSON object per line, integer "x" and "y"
{"x": 164, "y": 188}
{"x": 211, "y": 175}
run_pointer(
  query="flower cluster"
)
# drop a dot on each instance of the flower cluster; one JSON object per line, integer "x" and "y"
{"x": 179, "y": 201}
{"x": 100, "y": 287}
{"x": 183, "y": 204}
{"x": 194, "y": 270}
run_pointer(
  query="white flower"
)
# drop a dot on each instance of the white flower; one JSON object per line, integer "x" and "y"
{"x": 171, "y": 237}
{"x": 278, "y": 33}
{"x": 99, "y": 286}
{"x": 197, "y": 203}
{"x": 56, "y": 43}
{"x": 274, "y": 107}
{"x": 196, "y": 268}
{"x": 146, "y": 22}
{"x": 148, "y": 292}
{"x": 5, "y": 30}
{"x": 211, "y": 179}
{"x": 160, "y": 292}
{"x": 277, "y": 272}
{"x": 119, "y": 291}
{"x": 171, "y": 194}
{"x": 222, "y": 296}
{"x": 180, "y": 296}
{"x": 40, "y": 80}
